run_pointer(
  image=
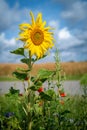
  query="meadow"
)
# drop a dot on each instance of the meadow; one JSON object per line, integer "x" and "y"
{"x": 73, "y": 70}
{"x": 47, "y": 110}
{"x": 68, "y": 113}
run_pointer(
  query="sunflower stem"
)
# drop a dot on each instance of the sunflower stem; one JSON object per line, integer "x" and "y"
{"x": 30, "y": 66}
{"x": 29, "y": 94}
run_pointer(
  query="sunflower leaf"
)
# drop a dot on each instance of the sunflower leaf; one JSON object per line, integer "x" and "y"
{"x": 45, "y": 96}
{"x": 25, "y": 60}
{"x": 20, "y": 75}
{"x": 22, "y": 69}
{"x": 19, "y": 51}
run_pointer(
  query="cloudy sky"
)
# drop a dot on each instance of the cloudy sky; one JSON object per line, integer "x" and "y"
{"x": 68, "y": 17}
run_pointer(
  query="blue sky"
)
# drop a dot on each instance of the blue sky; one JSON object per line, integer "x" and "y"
{"x": 68, "y": 17}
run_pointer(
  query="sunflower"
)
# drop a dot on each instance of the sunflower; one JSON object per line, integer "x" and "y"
{"x": 36, "y": 37}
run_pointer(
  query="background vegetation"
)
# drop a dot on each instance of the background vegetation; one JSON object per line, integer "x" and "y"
{"x": 73, "y": 70}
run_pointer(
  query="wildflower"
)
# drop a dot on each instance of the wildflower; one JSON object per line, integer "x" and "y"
{"x": 40, "y": 89}
{"x": 63, "y": 94}
{"x": 36, "y": 36}
{"x": 26, "y": 78}
{"x": 9, "y": 114}
{"x": 40, "y": 103}
{"x": 20, "y": 94}
{"x": 62, "y": 102}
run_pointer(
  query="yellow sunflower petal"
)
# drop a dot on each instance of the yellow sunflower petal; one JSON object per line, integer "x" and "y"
{"x": 24, "y": 26}
{"x": 42, "y": 25}
{"x": 47, "y": 28}
{"x": 43, "y": 48}
{"x": 32, "y": 18}
{"x": 39, "y": 19}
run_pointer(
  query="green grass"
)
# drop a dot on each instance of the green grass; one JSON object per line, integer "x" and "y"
{"x": 73, "y": 77}
{"x": 68, "y": 77}
{"x": 6, "y": 78}
{"x": 72, "y": 115}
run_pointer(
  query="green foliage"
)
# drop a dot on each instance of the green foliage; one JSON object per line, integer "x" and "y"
{"x": 73, "y": 77}
{"x": 36, "y": 86}
{"x": 27, "y": 60}
{"x": 6, "y": 78}
{"x": 45, "y": 96}
{"x": 13, "y": 91}
{"x": 11, "y": 111}
{"x": 19, "y": 51}
{"x": 21, "y": 76}
{"x": 24, "y": 60}
{"x": 50, "y": 115}
{"x": 83, "y": 80}
{"x": 43, "y": 73}
{"x": 83, "y": 83}
{"x": 68, "y": 77}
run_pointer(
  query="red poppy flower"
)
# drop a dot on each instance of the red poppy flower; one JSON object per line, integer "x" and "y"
{"x": 40, "y": 103}
{"x": 40, "y": 90}
{"x": 26, "y": 78}
{"x": 20, "y": 94}
{"x": 62, "y": 102}
{"x": 63, "y": 94}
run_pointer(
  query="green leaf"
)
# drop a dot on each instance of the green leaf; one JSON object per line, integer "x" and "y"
{"x": 83, "y": 80}
{"x": 43, "y": 73}
{"x": 25, "y": 60}
{"x": 45, "y": 96}
{"x": 13, "y": 91}
{"x": 42, "y": 76}
{"x": 20, "y": 75}
{"x": 36, "y": 79}
{"x": 33, "y": 79}
{"x": 43, "y": 80}
{"x": 39, "y": 83}
{"x": 22, "y": 69}
{"x": 50, "y": 92}
{"x": 33, "y": 88}
{"x": 65, "y": 112}
{"x": 36, "y": 86}
{"x": 19, "y": 51}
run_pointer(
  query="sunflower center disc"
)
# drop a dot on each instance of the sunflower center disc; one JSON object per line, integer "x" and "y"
{"x": 37, "y": 37}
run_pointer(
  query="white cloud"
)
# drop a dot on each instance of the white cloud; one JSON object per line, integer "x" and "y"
{"x": 71, "y": 44}
{"x": 81, "y": 34}
{"x": 66, "y": 39}
{"x": 68, "y": 56}
{"x": 7, "y": 45}
{"x": 64, "y": 34}
{"x": 9, "y": 16}
{"x": 54, "y": 24}
{"x": 75, "y": 12}
{"x": 63, "y": 37}
{"x": 7, "y": 42}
